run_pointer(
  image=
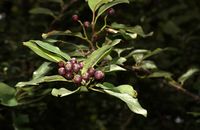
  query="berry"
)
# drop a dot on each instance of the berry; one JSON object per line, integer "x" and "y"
{"x": 69, "y": 76}
{"x": 86, "y": 24}
{"x": 98, "y": 75}
{"x": 77, "y": 79}
{"x": 91, "y": 71}
{"x": 86, "y": 76}
{"x": 61, "y": 71}
{"x": 68, "y": 66}
{"x": 81, "y": 65}
{"x": 61, "y": 64}
{"x": 76, "y": 67}
{"x": 75, "y": 18}
{"x": 111, "y": 11}
{"x": 73, "y": 60}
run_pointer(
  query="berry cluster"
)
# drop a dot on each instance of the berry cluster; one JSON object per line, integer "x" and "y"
{"x": 71, "y": 71}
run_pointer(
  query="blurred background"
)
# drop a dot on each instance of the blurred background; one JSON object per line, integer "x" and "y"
{"x": 175, "y": 23}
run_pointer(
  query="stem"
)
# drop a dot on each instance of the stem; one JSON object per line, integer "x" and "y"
{"x": 84, "y": 31}
{"x": 105, "y": 25}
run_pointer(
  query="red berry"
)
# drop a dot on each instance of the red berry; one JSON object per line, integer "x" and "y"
{"x": 81, "y": 65}
{"x": 76, "y": 67}
{"x": 86, "y": 24}
{"x": 61, "y": 64}
{"x": 91, "y": 71}
{"x": 77, "y": 79}
{"x": 62, "y": 71}
{"x": 69, "y": 76}
{"x": 98, "y": 75}
{"x": 73, "y": 60}
{"x": 86, "y": 76}
{"x": 75, "y": 18}
{"x": 111, "y": 11}
{"x": 68, "y": 66}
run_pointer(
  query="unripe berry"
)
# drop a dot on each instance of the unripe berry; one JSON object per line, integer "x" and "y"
{"x": 69, "y": 76}
{"x": 86, "y": 24}
{"x": 75, "y": 18}
{"x": 77, "y": 79}
{"x": 61, "y": 64}
{"x": 91, "y": 71}
{"x": 98, "y": 75}
{"x": 68, "y": 66}
{"x": 73, "y": 60}
{"x": 62, "y": 71}
{"x": 86, "y": 76}
{"x": 111, "y": 11}
{"x": 81, "y": 65}
{"x": 76, "y": 67}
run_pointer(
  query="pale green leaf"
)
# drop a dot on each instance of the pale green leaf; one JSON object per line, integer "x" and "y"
{"x": 42, "y": 70}
{"x": 95, "y": 4}
{"x": 149, "y": 65}
{"x": 113, "y": 67}
{"x": 160, "y": 74}
{"x": 63, "y": 92}
{"x": 40, "y": 10}
{"x": 7, "y": 95}
{"x": 98, "y": 55}
{"x": 188, "y": 74}
{"x": 43, "y": 53}
{"x": 51, "y": 48}
{"x": 45, "y": 79}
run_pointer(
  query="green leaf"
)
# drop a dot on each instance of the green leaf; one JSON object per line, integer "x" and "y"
{"x": 160, "y": 74}
{"x": 64, "y": 33}
{"x": 7, "y": 95}
{"x": 51, "y": 48}
{"x": 106, "y": 6}
{"x": 98, "y": 55}
{"x": 63, "y": 92}
{"x": 127, "y": 94}
{"x": 149, "y": 65}
{"x": 113, "y": 67}
{"x": 42, "y": 70}
{"x": 43, "y": 53}
{"x": 95, "y": 4}
{"x": 188, "y": 74}
{"x": 40, "y": 10}
{"x": 44, "y": 79}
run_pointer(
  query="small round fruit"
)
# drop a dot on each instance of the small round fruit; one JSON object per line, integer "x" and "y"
{"x": 77, "y": 79}
{"x": 61, "y": 64}
{"x": 91, "y": 71}
{"x": 111, "y": 11}
{"x": 75, "y": 17}
{"x": 81, "y": 65}
{"x": 98, "y": 75}
{"x": 69, "y": 76}
{"x": 68, "y": 66}
{"x": 73, "y": 60}
{"x": 86, "y": 24}
{"x": 86, "y": 76}
{"x": 76, "y": 67}
{"x": 62, "y": 71}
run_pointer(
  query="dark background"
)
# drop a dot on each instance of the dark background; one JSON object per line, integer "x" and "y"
{"x": 175, "y": 23}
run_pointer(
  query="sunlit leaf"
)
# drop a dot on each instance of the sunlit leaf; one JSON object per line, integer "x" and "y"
{"x": 40, "y": 10}
{"x": 113, "y": 67}
{"x": 63, "y": 92}
{"x": 160, "y": 74}
{"x": 95, "y": 4}
{"x": 188, "y": 74}
{"x": 42, "y": 70}
{"x": 149, "y": 65}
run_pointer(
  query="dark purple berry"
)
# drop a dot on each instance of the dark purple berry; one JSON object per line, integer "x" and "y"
{"x": 76, "y": 67}
{"x": 69, "y": 76}
{"x": 73, "y": 60}
{"x": 86, "y": 76}
{"x": 91, "y": 71}
{"x": 77, "y": 79}
{"x": 86, "y": 24}
{"x": 75, "y": 18}
{"x": 98, "y": 75}
{"x": 111, "y": 11}
{"x": 61, "y": 64}
{"x": 62, "y": 71}
{"x": 68, "y": 66}
{"x": 81, "y": 65}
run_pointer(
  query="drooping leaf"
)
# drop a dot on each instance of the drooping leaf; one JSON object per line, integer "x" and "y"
{"x": 45, "y": 79}
{"x": 7, "y": 95}
{"x": 160, "y": 74}
{"x": 188, "y": 74}
{"x": 42, "y": 70}
{"x": 63, "y": 92}
{"x": 106, "y": 6}
{"x": 64, "y": 33}
{"x": 52, "y": 48}
{"x": 98, "y": 55}
{"x": 40, "y": 10}
{"x": 124, "y": 92}
{"x": 43, "y": 53}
